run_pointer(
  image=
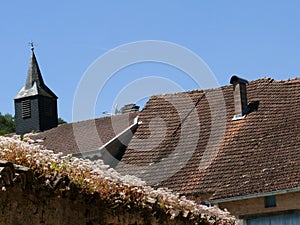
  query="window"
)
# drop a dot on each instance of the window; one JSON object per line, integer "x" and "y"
{"x": 270, "y": 201}
{"x": 26, "y": 108}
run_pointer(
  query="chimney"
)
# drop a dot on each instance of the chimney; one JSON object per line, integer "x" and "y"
{"x": 129, "y": 108}
{"x": 240, "y": 96}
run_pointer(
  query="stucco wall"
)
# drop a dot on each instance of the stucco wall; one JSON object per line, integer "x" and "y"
{"x": 255, "y": 206}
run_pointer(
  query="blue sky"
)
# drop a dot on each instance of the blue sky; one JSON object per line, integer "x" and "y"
{"x": 253, "y": 39}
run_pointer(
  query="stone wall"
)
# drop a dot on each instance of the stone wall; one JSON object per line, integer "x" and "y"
{"x": 23, "y": 200}
{"x": 22, "y": 207}
{"x": 69, "y": 190}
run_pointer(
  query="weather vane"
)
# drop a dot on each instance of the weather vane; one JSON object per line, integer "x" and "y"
{"x": 32, "y": 45}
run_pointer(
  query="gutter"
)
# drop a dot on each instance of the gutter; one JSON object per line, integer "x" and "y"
{"x": 258, "y": 195}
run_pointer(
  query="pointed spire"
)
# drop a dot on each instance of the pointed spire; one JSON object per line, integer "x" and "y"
{"x": 34, "y": 83}
{"x": 34, "y": 73}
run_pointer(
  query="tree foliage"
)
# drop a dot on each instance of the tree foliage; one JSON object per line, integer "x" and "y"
{"x": 61, "y": 121}
{"x": 7, "y": 124}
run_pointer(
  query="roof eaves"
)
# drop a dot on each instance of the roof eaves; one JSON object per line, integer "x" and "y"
{"x": 257, "y": 195}
{"x": 23, "y": 93}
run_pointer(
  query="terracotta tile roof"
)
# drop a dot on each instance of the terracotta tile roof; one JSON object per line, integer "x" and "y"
{"x": 79, "y": 136}
{"x": 257, "y": 154}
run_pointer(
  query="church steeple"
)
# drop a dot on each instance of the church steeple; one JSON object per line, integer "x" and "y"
{"x": 34, "y": 73}
{"x": 34, "y": 83}
{"x": 35, "y": 103}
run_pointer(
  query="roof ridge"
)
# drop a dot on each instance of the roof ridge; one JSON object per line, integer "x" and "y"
{"x": 103, "y": 117}
{"x": 259, "y": 80}
{"x": 83, "y": 121}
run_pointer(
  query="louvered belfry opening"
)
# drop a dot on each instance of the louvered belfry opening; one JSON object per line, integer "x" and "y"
{"x": 240, "y": 95}
{"x": 26, "y": 108}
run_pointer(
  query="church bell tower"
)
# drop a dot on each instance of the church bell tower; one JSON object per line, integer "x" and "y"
{"x": 35, "y": 104}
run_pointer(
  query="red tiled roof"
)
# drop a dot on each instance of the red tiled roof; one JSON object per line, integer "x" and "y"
{"x": 79, "y": 136}
{"x": 257, "y": 154}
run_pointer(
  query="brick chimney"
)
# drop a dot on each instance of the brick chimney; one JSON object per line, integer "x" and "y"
{"x": 240, "y": 96}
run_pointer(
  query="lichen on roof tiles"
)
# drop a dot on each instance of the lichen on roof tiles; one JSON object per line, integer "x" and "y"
{"x": 268, "y": 137}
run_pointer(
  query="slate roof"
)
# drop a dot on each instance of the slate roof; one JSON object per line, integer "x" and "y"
{"x": 183, "y": 147}
{"x": 34, "y": 83}
{"x": 85, "y": 135}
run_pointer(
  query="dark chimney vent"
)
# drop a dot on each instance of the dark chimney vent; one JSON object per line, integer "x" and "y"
{"x": 240, "y": 96}
{"x": 129, "y": 108}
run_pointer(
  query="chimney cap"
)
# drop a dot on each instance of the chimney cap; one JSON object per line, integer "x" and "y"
{"x": 129, "y": 108}
{"x": 235, "y": 79}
